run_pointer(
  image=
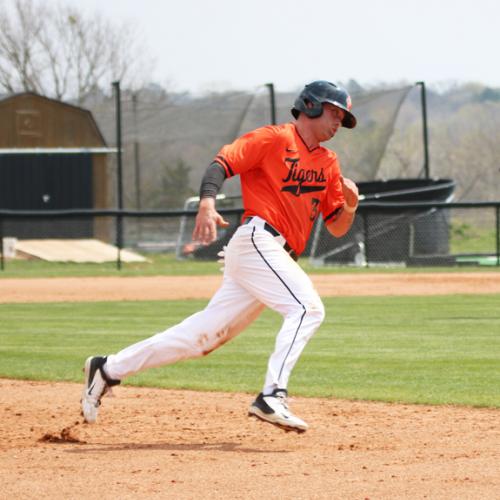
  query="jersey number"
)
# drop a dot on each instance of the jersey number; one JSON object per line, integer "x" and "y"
{"x": 314, "y": 209}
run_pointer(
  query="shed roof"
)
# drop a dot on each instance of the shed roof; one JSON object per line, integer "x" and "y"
{"x": 30, "y": 120}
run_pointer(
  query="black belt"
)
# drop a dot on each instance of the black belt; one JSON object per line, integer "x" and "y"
{"x": 270, "y": 229}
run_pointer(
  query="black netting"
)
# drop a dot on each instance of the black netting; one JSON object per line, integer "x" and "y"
{"x": 163, "y": 135}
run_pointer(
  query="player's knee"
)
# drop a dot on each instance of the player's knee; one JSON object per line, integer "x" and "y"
{"x": 316, "y": 311}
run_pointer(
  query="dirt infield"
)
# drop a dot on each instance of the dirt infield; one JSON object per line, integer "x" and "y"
{"x": 201, "y": 287}
{"x": 152, "y": 443}
{"x": 173, "y": 444}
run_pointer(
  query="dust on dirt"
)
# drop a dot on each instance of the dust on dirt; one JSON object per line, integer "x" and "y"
{"x": 66, "y": 435}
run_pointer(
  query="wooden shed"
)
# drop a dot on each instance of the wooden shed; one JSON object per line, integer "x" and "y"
{"x": 52, "y": 157}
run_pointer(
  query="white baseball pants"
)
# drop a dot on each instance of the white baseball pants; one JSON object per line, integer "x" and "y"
{"x": 258, "y": 272}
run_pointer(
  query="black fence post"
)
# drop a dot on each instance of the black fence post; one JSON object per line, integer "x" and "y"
{"x": 2, "y": 263}
{"x": 119, "y": 241}
{"x": 366, "y": 237}
{"x": 497, "y": 212}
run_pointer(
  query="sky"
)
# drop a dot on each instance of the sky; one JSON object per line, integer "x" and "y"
{"x": 200, "y": 45}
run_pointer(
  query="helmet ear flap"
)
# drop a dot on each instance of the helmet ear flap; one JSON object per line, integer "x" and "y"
{"x": 308, "y": 105}
{"x": 314, "y": 111}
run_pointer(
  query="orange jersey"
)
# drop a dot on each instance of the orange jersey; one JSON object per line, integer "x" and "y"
{"x": 284, "y": 182}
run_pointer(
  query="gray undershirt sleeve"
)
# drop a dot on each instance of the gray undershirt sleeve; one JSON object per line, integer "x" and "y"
{"x": 212, "y": 181}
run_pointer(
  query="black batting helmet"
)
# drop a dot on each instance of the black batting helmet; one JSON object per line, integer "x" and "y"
{"x": 319, "y": 92}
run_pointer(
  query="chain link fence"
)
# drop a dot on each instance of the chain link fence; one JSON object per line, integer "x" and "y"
{"x": 384, "y": 234}
{"x": 410, "y": 235}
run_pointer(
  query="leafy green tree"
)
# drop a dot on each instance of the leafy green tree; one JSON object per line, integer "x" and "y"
{"x": 174, "y": 186}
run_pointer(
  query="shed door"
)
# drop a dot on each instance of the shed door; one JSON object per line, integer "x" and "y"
{"x": 46, "y": 182}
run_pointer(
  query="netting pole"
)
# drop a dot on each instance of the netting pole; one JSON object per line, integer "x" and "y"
{"x": 119, "y": 231}
{"x": 423, "y": 98}
{"x": 270, "y": 86}
{"x": 137, "y": 168}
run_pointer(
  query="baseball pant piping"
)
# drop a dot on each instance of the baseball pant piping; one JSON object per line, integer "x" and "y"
{"x": 291, "y": 293}
{"x": 268, "y": 286}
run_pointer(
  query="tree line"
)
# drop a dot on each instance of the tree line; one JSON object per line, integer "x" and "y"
{"x": 61, "y": 52}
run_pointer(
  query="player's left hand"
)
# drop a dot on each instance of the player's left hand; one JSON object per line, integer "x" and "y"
{"x": 351, "y": 194}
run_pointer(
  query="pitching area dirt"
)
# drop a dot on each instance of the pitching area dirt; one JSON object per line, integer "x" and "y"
{"x": 152, "y": 443}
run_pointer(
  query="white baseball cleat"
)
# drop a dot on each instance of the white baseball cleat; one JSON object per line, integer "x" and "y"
{"x": 97, "y": 383}
{"x": 273, "y": 408}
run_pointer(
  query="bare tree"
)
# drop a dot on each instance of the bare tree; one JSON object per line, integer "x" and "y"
{"x": 60, "y": 52}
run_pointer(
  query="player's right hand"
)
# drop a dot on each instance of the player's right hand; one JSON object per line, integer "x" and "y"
{"x": 351, "y": 193}
{"x": 207, "y": 220}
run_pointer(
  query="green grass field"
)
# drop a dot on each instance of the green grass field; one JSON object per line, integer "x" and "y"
{"x": 158, "y": 264}
{"x": 433, "y": 349}
{"x": 468, "y": 238}
{"x": 168, "y": 265}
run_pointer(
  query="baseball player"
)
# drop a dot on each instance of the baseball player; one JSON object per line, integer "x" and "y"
{"x": 287, "y": 180}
